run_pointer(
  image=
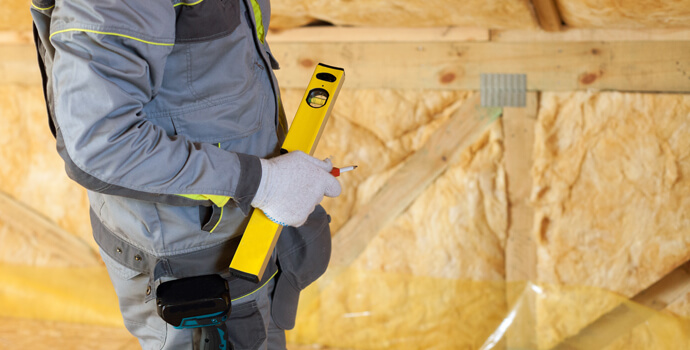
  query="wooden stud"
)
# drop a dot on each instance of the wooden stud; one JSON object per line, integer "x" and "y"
{"x": 419, "y": 170}
{"x": 521, "y": 248}
{"x": 547, "y": 15}
{"x": 518, "y": 129}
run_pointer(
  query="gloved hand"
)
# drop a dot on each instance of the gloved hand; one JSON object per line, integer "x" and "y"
{"x": 292, "y": 185}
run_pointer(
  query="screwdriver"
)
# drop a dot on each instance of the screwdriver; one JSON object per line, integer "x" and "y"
{"x": 337, "y": 171}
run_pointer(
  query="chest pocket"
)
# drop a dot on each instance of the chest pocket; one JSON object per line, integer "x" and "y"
{"x": 205, "y": 20}
{"x": 210, "y": 90}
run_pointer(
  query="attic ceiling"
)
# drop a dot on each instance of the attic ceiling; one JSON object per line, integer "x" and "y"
{"x": 491, "y": 14}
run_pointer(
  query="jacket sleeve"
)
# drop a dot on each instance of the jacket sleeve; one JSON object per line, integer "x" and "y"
{"x": 109, "y": 60}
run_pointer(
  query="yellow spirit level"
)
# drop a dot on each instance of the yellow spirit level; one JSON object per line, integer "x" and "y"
{"x": 261, "y": 234}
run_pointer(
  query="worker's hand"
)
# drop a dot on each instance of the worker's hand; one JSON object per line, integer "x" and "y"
{"x": 292, "y": 185}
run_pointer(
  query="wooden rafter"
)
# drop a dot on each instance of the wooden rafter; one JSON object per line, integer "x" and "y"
{"x": 547, "y": 15}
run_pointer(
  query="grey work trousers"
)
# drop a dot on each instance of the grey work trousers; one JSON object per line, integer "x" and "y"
{"x": 250, "y": 325}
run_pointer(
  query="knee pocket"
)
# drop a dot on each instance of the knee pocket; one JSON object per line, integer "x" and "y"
{"x": 246, "y": 326}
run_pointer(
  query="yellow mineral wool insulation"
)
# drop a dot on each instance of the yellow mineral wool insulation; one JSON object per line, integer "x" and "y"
{"x": 384, "y": 310}
{"x": 287, "y": 21}
{"x": 28, "y": 238}
{"x": 410, "y": 13}
{"x": 610, "y": 195}
{"x": 32, "y": 172}
{"x": 625, "y": 14}
{"x": 82, "y": 295}
{"x": 611, "y": 202}
{"x": 681, "y": 307}
{"x": 15, "y": 15}
{"x": 629, "y": 326}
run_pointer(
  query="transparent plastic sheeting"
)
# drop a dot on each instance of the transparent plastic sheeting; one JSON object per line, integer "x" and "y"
{"x": 355, "y": 309}
{"x": 360, "y": 309}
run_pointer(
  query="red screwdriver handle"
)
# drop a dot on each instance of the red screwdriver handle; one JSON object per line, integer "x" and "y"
{"x": 335, "y": 171}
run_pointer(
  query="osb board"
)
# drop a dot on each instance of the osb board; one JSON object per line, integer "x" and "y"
{"x": 33, "y": 173}
{"x": 625, "y": 14}
{"x": 609, "y": 194}
{"x": 405, "y": 13}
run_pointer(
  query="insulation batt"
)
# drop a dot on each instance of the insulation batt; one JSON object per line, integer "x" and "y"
{"x": 499, "y": 14}
{"x": 625, "y": 14}
{"x": 611, "y": 194}
{"x": 33, "y": 173}
{"x": 405, "y": 13}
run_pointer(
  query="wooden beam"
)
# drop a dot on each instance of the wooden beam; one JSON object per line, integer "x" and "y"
{"x": 562, "y": 66}
{"x": 367, "y": 34}
{"x": 14, "y": 37}
{"x": 521, "y": 247}
{"x": 622, "y": 66}
{"x": 547, "y": 15}
{"x": 322, "y": 34}
{"x": 417, "y": 172}
{"x": 581, "y": 34}
{"x": 623, "y": 318}
{"x": 518, "y": 130}
{"x": 38, "y": 240}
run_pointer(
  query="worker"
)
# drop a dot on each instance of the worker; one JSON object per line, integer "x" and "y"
{"x": 169, "y": 114}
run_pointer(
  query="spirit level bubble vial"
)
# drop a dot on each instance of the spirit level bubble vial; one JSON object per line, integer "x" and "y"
{"x": 261, "y": 234}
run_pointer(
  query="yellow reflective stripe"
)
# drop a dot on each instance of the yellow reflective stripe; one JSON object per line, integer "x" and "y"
{"x": 220, "y": 201}
{"x": 219, "y": 219}
{"x": 109, "y": 33}
{"x": 258, "y": 19}
{"x": 257, "y": 289}
{"x": 40, "y": 8}
{"x": 186, "y": 4}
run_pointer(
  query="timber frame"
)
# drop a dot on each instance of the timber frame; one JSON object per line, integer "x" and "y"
{"x": 453, "y": 58}
{"x": 555, "y": 59}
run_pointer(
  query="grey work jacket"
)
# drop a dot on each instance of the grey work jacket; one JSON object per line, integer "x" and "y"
{"x": 161, "y": 109}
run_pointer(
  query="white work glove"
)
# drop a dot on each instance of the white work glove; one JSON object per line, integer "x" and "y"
{"x": 292, "y": 185}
